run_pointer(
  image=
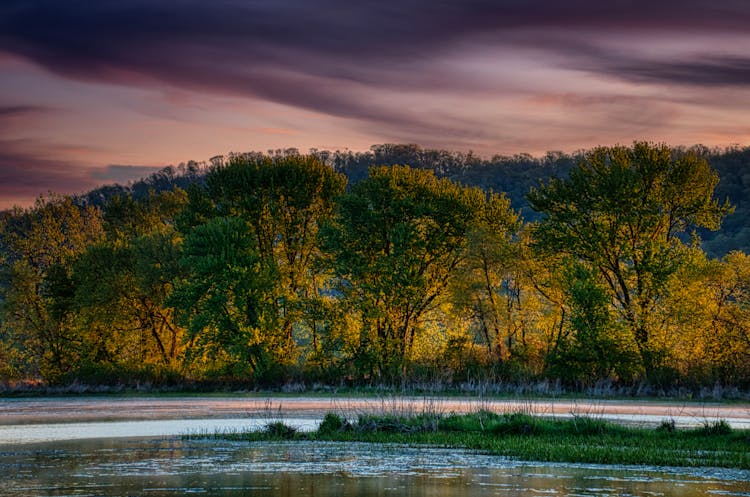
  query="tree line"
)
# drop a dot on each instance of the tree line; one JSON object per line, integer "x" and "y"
{"x": 271, "y": 268}
{"x": 513, "y": 175}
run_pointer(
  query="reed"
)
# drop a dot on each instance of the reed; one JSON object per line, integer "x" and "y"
{"x": 523, "y": 436}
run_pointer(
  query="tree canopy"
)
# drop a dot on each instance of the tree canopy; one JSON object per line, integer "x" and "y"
{"x": 398, "y": 239}
{"x": 622, "y": 211}
{"x": 268, "y": 270}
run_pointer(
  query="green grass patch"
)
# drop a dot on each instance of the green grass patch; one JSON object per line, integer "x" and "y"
{"x": 525, "y": 424}
{"x": 520, "y": 436}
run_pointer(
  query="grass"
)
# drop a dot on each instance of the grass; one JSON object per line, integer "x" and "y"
{"x": 484, "y": 389}
{"x": 521, "y": 436}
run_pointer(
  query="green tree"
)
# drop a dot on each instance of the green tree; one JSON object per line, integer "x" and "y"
{"x": 596, "y": 347}
{"x": 226, "y": 300}
{"x": 120, "y": 286}
{"x": 41, "y": 243}
{"x": 397, "y": 241}
{"x": 126, "y": 217}
{"x": 120, "y": 297}
{"x": 622, "y": 212}
{"x": 488, "y": 285}
{"x": 277, "y": 204}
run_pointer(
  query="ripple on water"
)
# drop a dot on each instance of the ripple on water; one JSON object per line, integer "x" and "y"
{"x": 172, "y": 467}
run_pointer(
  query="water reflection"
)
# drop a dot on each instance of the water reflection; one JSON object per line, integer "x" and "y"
{"x": 22, "y": 434}
{"x": 97, "y": 409}
{"x": 175, "y": 467}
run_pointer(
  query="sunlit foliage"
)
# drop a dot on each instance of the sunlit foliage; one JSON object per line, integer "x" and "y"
{"x": 267, "y": 269}
{"x": 397, "y": 242}
{"x": 251, "y": 258}
{"x": 621, "y": 212}
{"x": 40, "y": 245}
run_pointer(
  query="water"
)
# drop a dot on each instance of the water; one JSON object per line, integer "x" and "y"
{"x": 172, "y": 466}
{"x": 113, "y": 408}
{"x": 49, "y": 432}
{"x": 131, "y": 446}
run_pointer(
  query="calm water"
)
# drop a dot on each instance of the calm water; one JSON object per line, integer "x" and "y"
{"x": 163, "y": 467}
{"x": 131, "y": 446}
{"x": 113, "y": 408}
{"x": 50, "y": 432}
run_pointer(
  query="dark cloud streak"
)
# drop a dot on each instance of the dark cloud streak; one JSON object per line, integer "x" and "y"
{"x": 11, "y": 111}
{"x": 269, "y": 49}
{"x": 707, "y": 72}
{"x": 25, "y": 174}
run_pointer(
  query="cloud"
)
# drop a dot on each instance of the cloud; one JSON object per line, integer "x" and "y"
{"x": 325, "y": 55}
{"x": 19, "y": 115}
{"x": 25, "y": 174}
{"x": 437, "y": 72}
{"x": 8, "y": 111}
{"x": 489, "y": 75}
{"x": 700, "y": 71}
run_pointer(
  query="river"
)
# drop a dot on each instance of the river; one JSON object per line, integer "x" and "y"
{"x": 148, "y": 413}
{"x": 167, "y": 467}
{"x": 132, "y": 446}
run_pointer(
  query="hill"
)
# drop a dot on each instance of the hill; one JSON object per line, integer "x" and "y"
{"x": 514, "y": 175}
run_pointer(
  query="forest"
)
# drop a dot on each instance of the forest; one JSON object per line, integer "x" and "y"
{"x": 622, "y": 265}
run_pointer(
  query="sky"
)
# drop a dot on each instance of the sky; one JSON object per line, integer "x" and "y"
{"x": 93, "y": 93}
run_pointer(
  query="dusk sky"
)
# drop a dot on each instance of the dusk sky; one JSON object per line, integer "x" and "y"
{"x": 93, "y": 92}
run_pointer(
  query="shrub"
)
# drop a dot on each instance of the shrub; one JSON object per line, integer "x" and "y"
{"x": 278, "y": 429}
{"x": 667, "y": 426}
{"x": 479, "y": 421}
{"x": 332, "y": 423}
{"x": 720, "y": 427}
{"x": 583, "y": 425}
{"x": 398, "y": 424}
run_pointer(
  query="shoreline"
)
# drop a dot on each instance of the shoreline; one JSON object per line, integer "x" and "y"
{"x": 70, "y": 409}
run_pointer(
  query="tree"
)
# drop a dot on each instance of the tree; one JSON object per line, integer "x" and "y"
{"x": 120, "y": 285}
{"x": 622, "y": 211}
{"x": 396, "y": 242}
{"x": 126, "y": 217}
{"x": 595, "y": 348}
{"x": 710, "y": 306}
{"x": 273, "y": 207}
{"x": 120, "y": 298}
{"x": 731, "y": 338}
{"x": 41, "y": 243}
{"x": 488, "y": 285}
{"x": 226, "y": 299}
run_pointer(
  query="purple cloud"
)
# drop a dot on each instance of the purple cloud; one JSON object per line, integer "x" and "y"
{"x": 314, "y": 54}
{"x": 702, "y": 71}
{"x": 9, "y": 111}
{"x": 400, "y": 71}
{"x": 25, "y": 175}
